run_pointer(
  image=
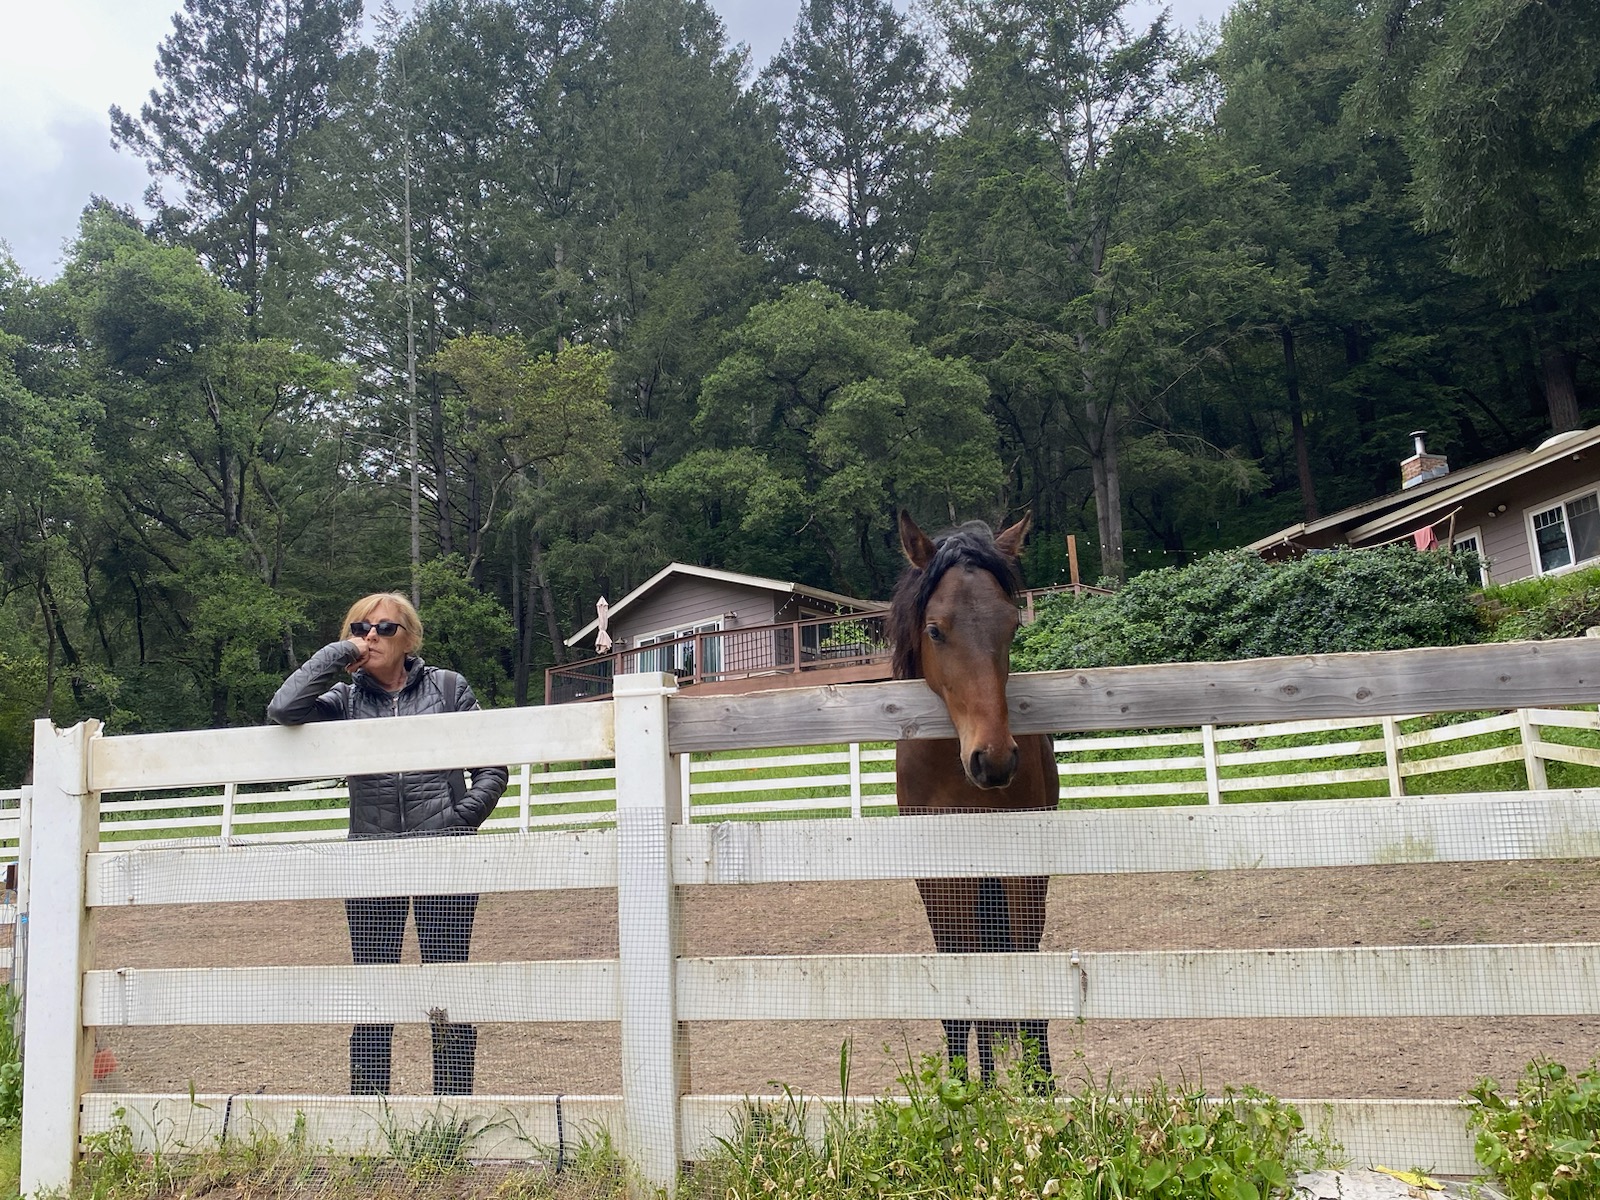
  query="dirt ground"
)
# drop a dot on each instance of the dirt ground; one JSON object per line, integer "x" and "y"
{"x": 1437, "y": 904}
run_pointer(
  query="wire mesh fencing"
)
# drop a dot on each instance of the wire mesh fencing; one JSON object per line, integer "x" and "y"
{"x": 1368, "y": 954}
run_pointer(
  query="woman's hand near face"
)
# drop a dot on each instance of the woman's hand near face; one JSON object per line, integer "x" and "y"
{"x": 360, "y": 660}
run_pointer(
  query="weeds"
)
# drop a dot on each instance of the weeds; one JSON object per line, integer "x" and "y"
{"x": 953, "y": 1138}
{"x": 436, "y": 1147}
{"x": 945, "y": 1136}
{"x": 1543, "y": 1142}
{"x": 115, "y": 1168}
{"x": 430, "y": 1161}
{"x": 10, "y": 1060}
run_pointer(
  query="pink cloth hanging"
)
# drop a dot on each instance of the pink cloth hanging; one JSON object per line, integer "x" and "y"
{"x": 1424, "y": 538}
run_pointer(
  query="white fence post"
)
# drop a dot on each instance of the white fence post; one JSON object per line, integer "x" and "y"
{"x": 24, "y": 843}
{"x": 56, "y": 1045}
{"x": 654, "y": 1046}
{"x": 525, "y": 806}
{"x": 230, "y": 797}
{"x": 855, "y": 780}
{"x": 1391, "y": 756}
{"x": 1530, "y": 755}
{"x": 19, "y": 931}
{"x": 1208, "y": 745}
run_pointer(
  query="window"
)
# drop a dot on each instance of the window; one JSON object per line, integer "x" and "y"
{"x": 1471, "y": 543}
{"x": 678, "y": 658}
{"x": 1568, "y": 533}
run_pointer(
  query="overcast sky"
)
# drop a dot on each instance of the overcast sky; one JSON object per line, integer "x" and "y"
{"x": 63, "y": 63}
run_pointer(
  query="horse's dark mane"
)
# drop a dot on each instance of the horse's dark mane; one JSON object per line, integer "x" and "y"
{"x": 968, "y": 545}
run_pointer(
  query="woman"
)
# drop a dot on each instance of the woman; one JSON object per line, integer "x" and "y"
{"x": 388, "y": 679}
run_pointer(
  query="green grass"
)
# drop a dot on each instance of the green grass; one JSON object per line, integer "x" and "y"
{"x": 1494, "y": 777}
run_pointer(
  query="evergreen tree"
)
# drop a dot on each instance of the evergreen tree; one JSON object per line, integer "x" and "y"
{"x": 1057, "y": 102}
{"x": 1496, "y": 104}
{"x": 242, "y": 84}
{"x": 855, "y": 101}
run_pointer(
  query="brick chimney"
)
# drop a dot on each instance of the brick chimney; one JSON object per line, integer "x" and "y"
{"x": 1422, "y": 466}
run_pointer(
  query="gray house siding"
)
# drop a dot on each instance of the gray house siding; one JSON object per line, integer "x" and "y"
{"x": 1505, "y": 542}
{"x": 682, "y": 603}
{"x": 1506, "y": 535}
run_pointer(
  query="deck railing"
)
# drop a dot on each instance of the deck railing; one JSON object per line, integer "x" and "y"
{"x": 784, "y": 649}
{"x": 716, "y": 656}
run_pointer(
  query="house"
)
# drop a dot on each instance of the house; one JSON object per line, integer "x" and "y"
{"x": 1530, "y": 513}
{"x": 713, "y": 627}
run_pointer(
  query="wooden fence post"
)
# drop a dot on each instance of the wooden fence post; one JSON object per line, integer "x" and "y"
{"x": 1391, "y": 756}
{"x": 1530, "y": 754}
{"x": 654, "y": 1045}
{"x": 1208, "y": 748}
{"x": 56, "y": 1046}
{"x": 230, "y": 807}
{"x": 855, "y": 780}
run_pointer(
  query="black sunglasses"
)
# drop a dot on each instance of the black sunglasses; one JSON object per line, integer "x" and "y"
{"x": 384, "y": 628}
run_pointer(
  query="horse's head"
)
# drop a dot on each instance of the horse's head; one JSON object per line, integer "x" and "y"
{"x": 952, "y": 621}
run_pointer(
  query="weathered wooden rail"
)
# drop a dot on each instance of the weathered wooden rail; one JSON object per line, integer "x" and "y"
{"x": 650, "y": 989}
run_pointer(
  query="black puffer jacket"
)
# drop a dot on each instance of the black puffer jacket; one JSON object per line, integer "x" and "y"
{"x": 399, "y": 805}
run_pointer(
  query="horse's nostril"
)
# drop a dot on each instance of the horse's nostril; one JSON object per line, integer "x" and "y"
{"x": 991, "y": 771}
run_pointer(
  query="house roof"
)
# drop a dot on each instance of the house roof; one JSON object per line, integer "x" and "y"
{"x": 750, "y": 581}
{"x": 1362, "y": 522}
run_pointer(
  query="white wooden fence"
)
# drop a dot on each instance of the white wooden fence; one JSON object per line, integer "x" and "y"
{"x": 651, "y": 988}
{"x": 15, "y": 804}
{"x": 858, "y": 780}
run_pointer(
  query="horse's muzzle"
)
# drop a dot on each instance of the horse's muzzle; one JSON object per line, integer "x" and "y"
{"x": 989, "y": 770}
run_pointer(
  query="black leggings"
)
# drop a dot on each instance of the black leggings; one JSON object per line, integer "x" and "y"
{"x": 444, "y": 933}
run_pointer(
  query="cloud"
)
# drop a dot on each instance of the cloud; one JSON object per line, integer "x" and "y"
{"x": 63, "y": 163}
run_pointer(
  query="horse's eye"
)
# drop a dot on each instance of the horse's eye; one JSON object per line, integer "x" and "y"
{"x": 935, "y": 634}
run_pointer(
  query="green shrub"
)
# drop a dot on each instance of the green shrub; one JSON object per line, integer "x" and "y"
{"x": 1543, "y": 1143}
{"x": 1234, "y": 605}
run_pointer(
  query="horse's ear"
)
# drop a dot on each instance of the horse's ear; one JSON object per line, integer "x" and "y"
{"x": 918, "y": 547}
{"x": 1010, "y": 540}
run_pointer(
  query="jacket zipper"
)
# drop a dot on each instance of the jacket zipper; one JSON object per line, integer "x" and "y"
{"x": 400, "y": 776}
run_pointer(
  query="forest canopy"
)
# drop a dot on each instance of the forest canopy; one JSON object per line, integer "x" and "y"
{"x": 509, "y": 303}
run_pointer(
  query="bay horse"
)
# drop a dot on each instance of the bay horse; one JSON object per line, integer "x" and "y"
{"x": 951, "y": 623}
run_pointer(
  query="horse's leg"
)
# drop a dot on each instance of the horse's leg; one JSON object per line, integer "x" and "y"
{"x": 994, "y": 937}
{"x": 952, "y": 916}
{"x": 1025, "y": 900}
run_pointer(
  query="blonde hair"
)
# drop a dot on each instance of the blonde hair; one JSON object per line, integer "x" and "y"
{"x": 412, "y": 634}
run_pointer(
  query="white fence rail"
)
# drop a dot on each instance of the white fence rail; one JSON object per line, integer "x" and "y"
{"x": 1378, "y": 756}
{"x": 651, "y": 987}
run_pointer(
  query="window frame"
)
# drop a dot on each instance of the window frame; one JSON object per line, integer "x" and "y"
{"x": 1530, "y": 512}
{"x": 1475, "y": 534}
{"x": 683, "y": 653}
